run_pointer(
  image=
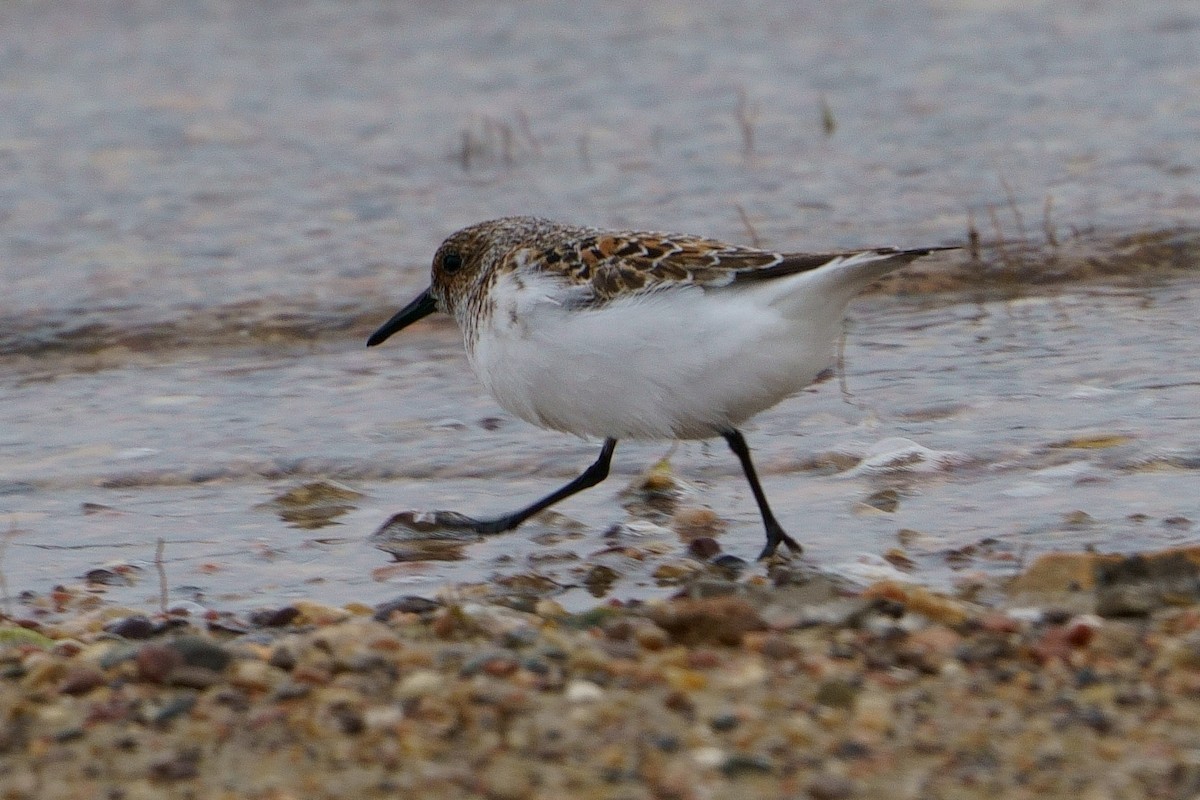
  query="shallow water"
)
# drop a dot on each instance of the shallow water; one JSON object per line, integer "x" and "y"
{"x": 1080, "y": 401}
{"x": 206, "y": 207}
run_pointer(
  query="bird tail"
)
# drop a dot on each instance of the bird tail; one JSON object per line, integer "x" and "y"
{"x": 836, "y": 281}
{"x": 856, "y": 270}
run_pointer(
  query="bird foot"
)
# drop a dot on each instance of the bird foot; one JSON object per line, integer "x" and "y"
{"x": 776, "y": 538}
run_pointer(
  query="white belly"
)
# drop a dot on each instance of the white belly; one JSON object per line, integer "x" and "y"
{"x": 676, "y": 364}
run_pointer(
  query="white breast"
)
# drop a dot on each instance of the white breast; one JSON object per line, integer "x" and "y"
{"x": 679, "y": 363}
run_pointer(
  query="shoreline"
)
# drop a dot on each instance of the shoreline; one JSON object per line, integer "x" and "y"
{"x": 793, "y": 689}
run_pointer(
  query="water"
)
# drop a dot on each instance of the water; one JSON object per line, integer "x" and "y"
{"x": 207, "y": 207}
{"x": 1082, "y": 400}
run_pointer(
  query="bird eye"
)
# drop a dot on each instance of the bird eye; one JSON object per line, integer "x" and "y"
{"x": 451, "y": 262}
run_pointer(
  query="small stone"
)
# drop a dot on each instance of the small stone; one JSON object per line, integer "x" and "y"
{"x": 156, "y": 662}
{"x": 1057, "y": 573}
{"x": 255, "y": 675}
{"x": 886, "y": 500}
{"x": 724, "y": 722}
{"x": 1078, "y": 519}
{"x": 723, "y": 620}
{"x": 421, "y": 683}
{"x": 696, "y": 522}
{"x": 408, "y": 604}
{"x": 740, "y": 764}
{"x": 549, "y": 609}
{"x": 830, "y": 787}
{"x": 319, "y": 614}
{"x": 998, "y": 622}
{"x": 182, "y": 765}
{"x": 195, "y": 651}
{"x": 506, "y": 778}
{"x": 175, "y": 707}
{"x": 282, "y": 658}
{"x": 498, "y": 665}
{"x": 778, "y": 647}
{"x": 674, "y": 572}
{"x": 133, "y": 627}
{"x": 315, "y": 493}
{"x": 106, "y": 577}
{"x": 275, "y": 617}
{"x": 194, "y": 677}
{"x": 1097, "y": 441}
{"x": 899, "y": 559}
{"x": 710, "y": 757}
{"x": 581, "y": 691}
{"x": 651, "y": 637}
{"x": 678, "y": 701}
{"x": 704, "y": 548}
{"x": 836, "y": 693}
{"x": 81, "y": 680}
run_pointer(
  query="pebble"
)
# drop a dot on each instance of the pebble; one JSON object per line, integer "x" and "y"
{"x": 137, "y": 626}
{"x": 673, "y": 698}
{"x": 195, "y": 651}
{"x": 831, "y": 787}
{"x": 583, "y": 692}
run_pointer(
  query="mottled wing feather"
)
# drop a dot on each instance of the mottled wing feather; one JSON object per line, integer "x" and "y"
{"x": 611, "y": 264}
{"x": 615, "y": 264}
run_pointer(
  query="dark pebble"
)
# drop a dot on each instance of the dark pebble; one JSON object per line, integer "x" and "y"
{"x": 274, "y": 617}
{"x": 704, "y": 548}
{"x": 836, "y": 693}
{"x": 666, "y": 743}
{"x": 554, "y": 653}
{"x": 282, "y": 658}
{"x": 291, "y": 690}
{"x": 680, "y": 703}
{"x": 195, "y": 677}
{"x": 135, "y": 627}
{"x": 886, "y": 500}
{"x": 739, "y": 764}
{"x": 156, "y": 662}
{"x": 520, "y": 637}
{"x": 177, "y": 706}
{"x": 830, "y": 787}
{"x": 1096, "y": 719}
{"x": 724, "y": 722}
{"x": 232, "y": 698}
{"x": 228, "y": 623}
{"x": 81, "y": 680}
{"x": 181, "y": 766}
{"x": 729, "y": 564}
{"x": 618, "y": 649}
{"x": 106, "y": 577}
{"x": 198, "y": 652}
{"x": 618, "y": 630}
{"x": 349, "y": 720}
{"x": 777, "y": 647}
{"x": 1056, "y": 616}
{"x": 850, "y": 749}
{"x": 536, "y": 665}
{"x": 408, "y": 604}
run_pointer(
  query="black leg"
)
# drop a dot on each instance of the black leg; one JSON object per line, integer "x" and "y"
{"x": 590, "y": 477}
{"x": 775, "y": 532}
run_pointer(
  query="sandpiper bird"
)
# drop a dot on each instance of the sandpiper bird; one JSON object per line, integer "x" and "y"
{"x": 638, "y": 335}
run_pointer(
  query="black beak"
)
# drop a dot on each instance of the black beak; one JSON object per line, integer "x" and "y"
{"x": 422, "y": 306}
